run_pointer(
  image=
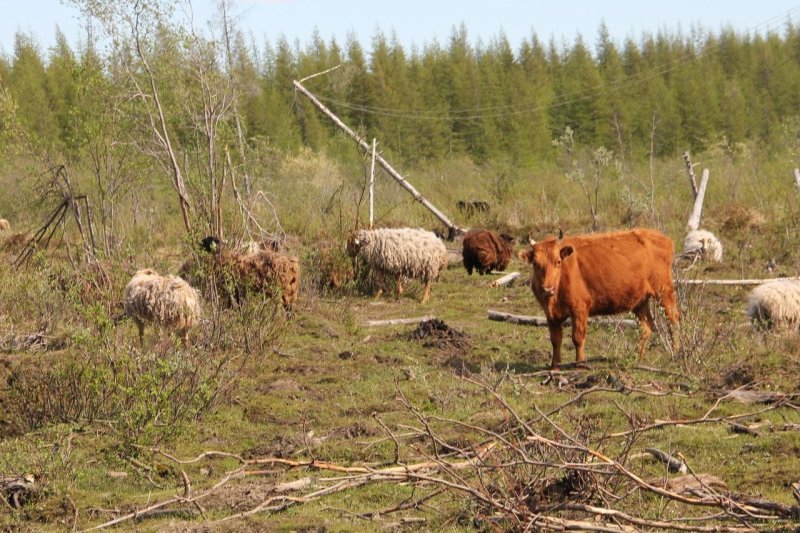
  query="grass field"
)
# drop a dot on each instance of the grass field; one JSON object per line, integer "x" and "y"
{"x": 323, "y": 386}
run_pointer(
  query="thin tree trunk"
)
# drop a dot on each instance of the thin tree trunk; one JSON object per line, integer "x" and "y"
{"x": 454, "y": 230}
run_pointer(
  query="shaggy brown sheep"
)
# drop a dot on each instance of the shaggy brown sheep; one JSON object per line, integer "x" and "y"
{"x": 263, "y": 271}
{"x": 485, "y": 251}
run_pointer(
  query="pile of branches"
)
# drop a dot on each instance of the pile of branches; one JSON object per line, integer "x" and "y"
{"x": 526, "y": 474}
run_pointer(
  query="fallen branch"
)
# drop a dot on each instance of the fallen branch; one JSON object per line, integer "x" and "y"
{"x": 673, "y": 465}
{"x": 528, "y": 320}
{"x": 505, "y": 280}
{"x": 397, "y": 321}
{"x": 730, "y": 281}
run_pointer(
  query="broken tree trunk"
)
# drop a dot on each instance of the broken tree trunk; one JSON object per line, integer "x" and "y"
{"x": 731, "y": 281}
{"x": 694, "y": 219}
{"x": 396, "y": 321}
{"x": 453, "y": 229}
{"x": 528, "y": 320}
{"x": 690, "y": 173}
{"x": 505, "y": 280}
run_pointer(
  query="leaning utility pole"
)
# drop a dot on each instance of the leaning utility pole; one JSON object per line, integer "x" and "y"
{"x": 453, "y": 230}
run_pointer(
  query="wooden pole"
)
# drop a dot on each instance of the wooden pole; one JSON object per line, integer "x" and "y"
{"x": 454, "y": 230}
{"x": 528, "y": 320}
{"x": 694, "y": 219}
{"x": 372, "y": 186}
{"x": 690, "y": 173}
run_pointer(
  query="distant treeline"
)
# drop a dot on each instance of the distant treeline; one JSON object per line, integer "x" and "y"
{"x": 668, "y": 92}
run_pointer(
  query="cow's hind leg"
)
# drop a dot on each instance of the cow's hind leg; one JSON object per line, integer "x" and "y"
{"x": 579, "y": 320}
{"x": 646, "y": 322}
{"x": 669, "y": 303}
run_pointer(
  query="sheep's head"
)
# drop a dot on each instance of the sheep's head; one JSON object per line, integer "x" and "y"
{"x": 210, "y": 244}
{"x": 354, "y": 243}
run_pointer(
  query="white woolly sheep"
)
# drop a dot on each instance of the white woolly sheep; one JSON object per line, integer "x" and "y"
{"x": 703, "y": 243}
{"x": 401, "y": 252}
{"x": 5, "y": 225}
{"x": 167, "y": 301}
{"x": 775, "y": 304}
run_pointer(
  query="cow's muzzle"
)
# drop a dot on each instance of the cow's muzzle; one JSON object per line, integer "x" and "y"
{"x": 549, "y": 291}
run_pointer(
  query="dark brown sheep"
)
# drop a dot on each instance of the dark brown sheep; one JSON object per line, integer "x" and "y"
{"x": 485, "y": 251}
{"x": 236, "y": 273}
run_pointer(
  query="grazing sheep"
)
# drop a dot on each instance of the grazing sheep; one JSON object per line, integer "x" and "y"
{"x": 775, "y": 304}
{"x": 702, "y": 243}
{"x": 167, "y": 301}
{"x": 261, "y": 271}
{"x": 485, "y": 250}
{"x": 5, "y": 225}
{"x": 401, "y": 252}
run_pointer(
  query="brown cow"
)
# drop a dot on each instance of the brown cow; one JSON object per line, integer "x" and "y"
{"x": 485, "y": 250}
{"x": 578, "y": 277}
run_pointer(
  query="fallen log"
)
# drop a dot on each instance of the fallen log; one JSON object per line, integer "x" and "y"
{"x": 731, "y": 281}
{"x": 505, "y": 280}
{"x": 397, "y": 321}
{"x": 527, "y": 320}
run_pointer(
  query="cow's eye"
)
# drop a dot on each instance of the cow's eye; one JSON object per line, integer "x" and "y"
{"x": 558, "y": 263}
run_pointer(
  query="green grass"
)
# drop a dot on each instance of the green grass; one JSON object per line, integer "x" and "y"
{"x": 318, "y": 395}
{"x": 325, "y": 382}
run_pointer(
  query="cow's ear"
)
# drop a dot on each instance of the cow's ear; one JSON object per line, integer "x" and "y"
{"x": 566, "y": 251}
{"x": 526, "y": 255}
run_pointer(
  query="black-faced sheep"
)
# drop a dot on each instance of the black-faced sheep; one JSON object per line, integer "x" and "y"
{"x": 262, "y": 271}
{"x": 166, "y": 301}
{"x": 775, "y": 304}
{"x": 702, "y": 243}
{"x": 485, "y": 250}
{"x": 401, "y": 252}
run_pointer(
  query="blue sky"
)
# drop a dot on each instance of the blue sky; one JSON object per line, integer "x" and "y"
{"x": 422, "y": 21}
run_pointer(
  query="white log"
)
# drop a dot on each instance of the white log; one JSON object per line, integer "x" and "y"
{"x": 505, "y": 280}
{"x": 731, "y": 281}
{"x": 527, "y": 320}
{"x": 797, "y": 178}
{"x": 396, "y": 321}
{"x": 694, "y": 220}
{"x": 690, "y": 173}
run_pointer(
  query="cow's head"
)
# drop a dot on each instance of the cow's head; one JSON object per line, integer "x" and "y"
{"x": 546, "y": 258}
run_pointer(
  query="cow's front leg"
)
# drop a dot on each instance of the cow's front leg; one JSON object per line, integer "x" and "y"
{"x": 556, "y": 333}
{"x": 579, "y": 320}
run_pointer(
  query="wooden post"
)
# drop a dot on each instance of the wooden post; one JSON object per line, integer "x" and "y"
{"x": 694, "y": 219}
{"x": 690, "y": 173}
{"x": 454, "y": 230}
{"x": 797, "y": 178}
{"x": 372, "y": 186}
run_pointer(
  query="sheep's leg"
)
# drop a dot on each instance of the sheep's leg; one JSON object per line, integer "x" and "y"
{"x": 140, "y": 326}
{"x": 426, "y": 293}
{"x": 646, "y": 322}
{"x": 183, "y": 333}
{"x": 399, "y": 280}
